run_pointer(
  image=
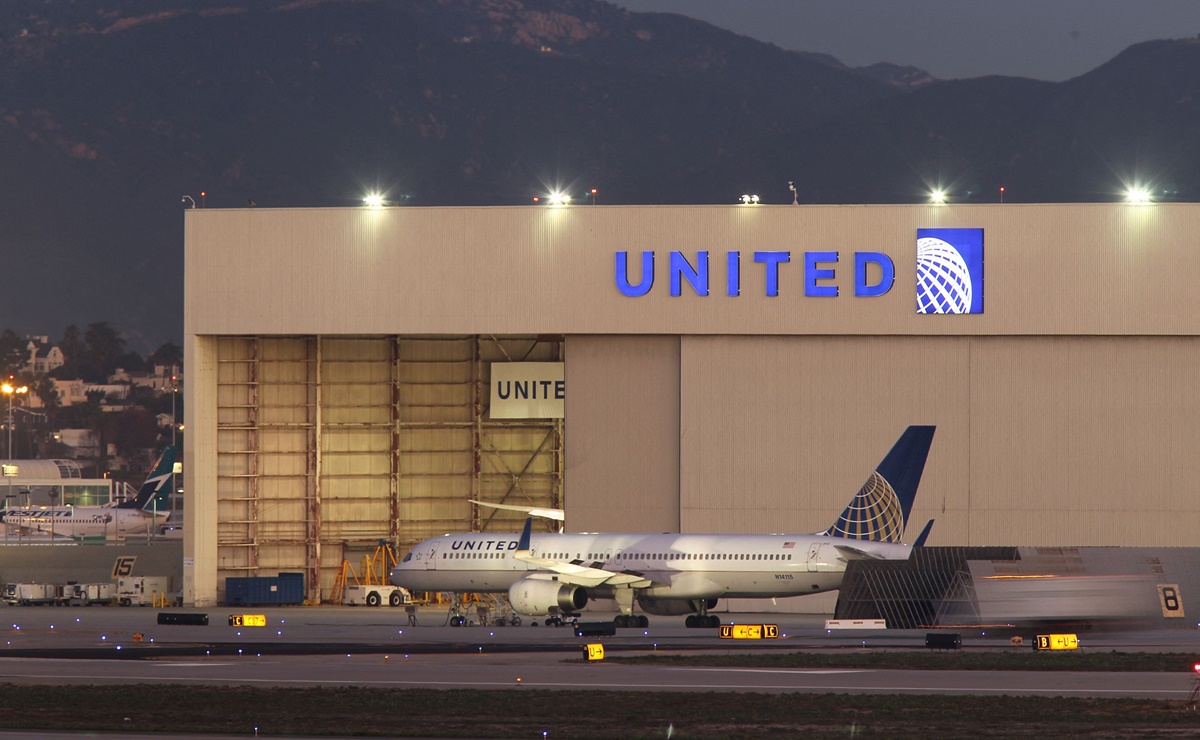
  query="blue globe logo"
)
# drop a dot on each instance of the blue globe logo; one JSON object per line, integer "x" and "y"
{"x": 943, "y": 278}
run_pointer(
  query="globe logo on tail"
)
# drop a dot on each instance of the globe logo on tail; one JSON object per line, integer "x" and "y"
{"x": 874, "y": 514}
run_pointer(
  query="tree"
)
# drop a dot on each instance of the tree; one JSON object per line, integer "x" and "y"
{"x": 104, "y": 347}
{"x": 12, "y": 352}
{"x": 45, "y": 390}
{"x": 73, "y": 348}
{"x": 131, "y": 362}
{"x": 167, "y": 355}
{"x": 135, "y": 430}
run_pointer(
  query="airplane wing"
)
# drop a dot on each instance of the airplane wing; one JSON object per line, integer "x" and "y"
{"x": 577, "y": 573}
{"x": 556, "y": 514}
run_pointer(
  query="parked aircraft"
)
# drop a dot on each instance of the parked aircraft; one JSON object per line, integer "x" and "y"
{"x": 675, "y": 574}
{"x": 147, "y": 509}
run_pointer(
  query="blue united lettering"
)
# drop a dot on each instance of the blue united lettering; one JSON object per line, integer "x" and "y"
{"x": 874, "y": 273}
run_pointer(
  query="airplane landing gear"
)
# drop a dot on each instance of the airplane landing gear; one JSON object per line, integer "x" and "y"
{"x": 631, "y": 620}
{"x": 703, "y": 619}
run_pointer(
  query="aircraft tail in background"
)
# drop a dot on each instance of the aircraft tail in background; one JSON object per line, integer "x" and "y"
{"x": 880, "y": 509}
{"x": 153, "y": 494}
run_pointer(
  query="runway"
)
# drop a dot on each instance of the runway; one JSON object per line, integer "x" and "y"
{"x": 532, "y": 671}
{"x": 363, "y": 647}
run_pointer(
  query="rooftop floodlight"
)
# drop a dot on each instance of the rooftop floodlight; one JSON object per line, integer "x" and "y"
{"x": 559, "y": 199}
{"x": 937, "y": 196}
{"x": 374, "y": 200}
{"x": 749, "y": 200}
{"x": 1137, "y": 196}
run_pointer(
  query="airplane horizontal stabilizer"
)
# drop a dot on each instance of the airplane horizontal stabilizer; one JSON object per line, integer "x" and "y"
{"x": 920, "y": 541}
{"x": 555, "y": 514}
{"x": 854, "y": 553}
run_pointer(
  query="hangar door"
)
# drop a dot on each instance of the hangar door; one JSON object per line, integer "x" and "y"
{"x": 328, "y": 445}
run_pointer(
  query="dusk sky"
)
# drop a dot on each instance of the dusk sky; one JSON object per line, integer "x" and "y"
{"x": 1040, "y": 39}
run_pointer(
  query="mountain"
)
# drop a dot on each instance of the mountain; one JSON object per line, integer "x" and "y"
{"x": 111, "y": 110}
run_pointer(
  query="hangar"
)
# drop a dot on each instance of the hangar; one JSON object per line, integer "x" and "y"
{"x": 725, "y": 368}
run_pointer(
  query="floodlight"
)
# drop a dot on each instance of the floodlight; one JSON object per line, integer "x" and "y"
{"x": 937, "y": 196}
{"x": 1137, "y": 195}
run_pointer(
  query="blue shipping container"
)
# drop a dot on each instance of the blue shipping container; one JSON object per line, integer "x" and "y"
{"x": 286, "y": 588}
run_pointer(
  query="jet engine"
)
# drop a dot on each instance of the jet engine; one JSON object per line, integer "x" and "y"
{"x": 672, "y": 607}
{"x": 535, "y": 596}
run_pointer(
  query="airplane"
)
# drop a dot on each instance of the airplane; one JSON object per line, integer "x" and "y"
{"x": 135, "y": 516}
{"x": 677, "y": 574}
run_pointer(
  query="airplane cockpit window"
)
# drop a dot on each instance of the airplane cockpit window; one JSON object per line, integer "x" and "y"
{"x": 407, "y": 557}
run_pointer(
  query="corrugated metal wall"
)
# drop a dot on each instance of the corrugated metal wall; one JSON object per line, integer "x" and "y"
{"x": 1050, "y": 269}
{"x": 623, "y": 446}
{"x": 1040, "y": 441}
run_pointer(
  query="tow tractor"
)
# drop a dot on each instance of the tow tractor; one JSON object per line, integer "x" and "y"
{"x": 370, "y": 588}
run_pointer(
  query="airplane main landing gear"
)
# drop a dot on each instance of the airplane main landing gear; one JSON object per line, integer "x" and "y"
{"x": 702, "y": 620}
{"x": 631, "y": 620}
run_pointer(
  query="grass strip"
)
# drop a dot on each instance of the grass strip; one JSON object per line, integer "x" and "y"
{"x": 577, "y": 714}
{"x": 936, "y": 660}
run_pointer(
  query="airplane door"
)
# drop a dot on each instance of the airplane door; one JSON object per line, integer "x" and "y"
{"x": 431, "y": 560}
{"x": 814, "y": 556}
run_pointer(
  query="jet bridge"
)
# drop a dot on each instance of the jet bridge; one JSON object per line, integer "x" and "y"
{"x": 913, "y": 593}
{"x": 987, "y": 586}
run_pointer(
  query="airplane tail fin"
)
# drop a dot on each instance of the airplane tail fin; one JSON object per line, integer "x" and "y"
{"x": 523, "y": 542}
{"x": 879, "y": 511}
{"x": 153, "y": 494}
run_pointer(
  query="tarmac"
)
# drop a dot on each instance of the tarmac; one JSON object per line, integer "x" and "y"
{"x": 361, "y": 646}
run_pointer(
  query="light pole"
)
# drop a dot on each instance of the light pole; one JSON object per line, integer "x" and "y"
{"x": 10, "y": 471}
{"x": 10, "y": 390}
{"x": 174, "y": 426}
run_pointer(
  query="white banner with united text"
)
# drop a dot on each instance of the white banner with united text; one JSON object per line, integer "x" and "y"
{"x": 528, "y": 390}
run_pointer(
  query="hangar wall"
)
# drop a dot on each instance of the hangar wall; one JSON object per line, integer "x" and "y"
{"x": 1064, "y": 441}
{"x": 632, "y": 384}
{"x": 336, "y": 359}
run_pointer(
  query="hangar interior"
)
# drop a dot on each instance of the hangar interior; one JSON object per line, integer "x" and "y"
{"x": 326, "y": 446}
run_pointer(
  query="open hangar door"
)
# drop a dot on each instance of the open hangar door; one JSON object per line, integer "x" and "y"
{"x": 327, "y": 445}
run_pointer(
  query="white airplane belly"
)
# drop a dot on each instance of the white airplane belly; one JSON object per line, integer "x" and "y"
{"x": 455, "y": 580}
{"x": 768, "y": 583}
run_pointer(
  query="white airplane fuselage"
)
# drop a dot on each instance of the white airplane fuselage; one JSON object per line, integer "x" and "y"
{"x": 682, "y": 566}
{"x": 81, "y": 522}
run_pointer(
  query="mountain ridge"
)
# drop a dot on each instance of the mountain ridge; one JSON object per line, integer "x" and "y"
{"x": 111, "y": 110}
